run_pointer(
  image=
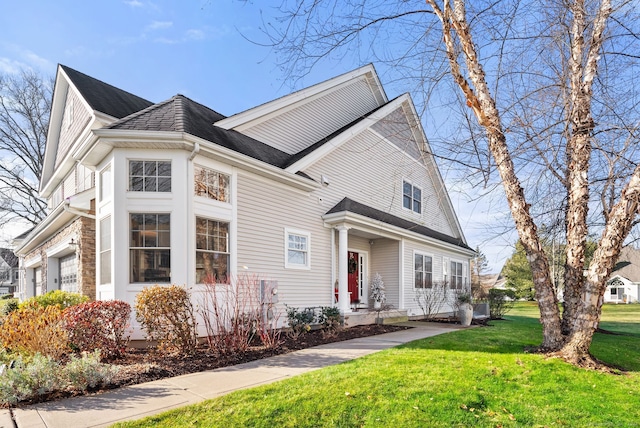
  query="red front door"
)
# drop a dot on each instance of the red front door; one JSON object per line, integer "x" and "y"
{"x": 354, "y": 276}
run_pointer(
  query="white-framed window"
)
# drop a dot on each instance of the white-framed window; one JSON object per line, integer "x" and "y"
{"x": 149, "y": 176}
{"x": 150, "y": 247}
{"x": 212, "y": 251}
{"x": 411, "y": 197}
{"x": 297, "y": 249}
{"x": 211, "y": 184}
{"x": 105, "y": 250}
{"x": 423, "y": 270}
{"x": 457, "y": 281}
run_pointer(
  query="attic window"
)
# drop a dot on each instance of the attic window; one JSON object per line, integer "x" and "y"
{"x": 211, "y": 184}
{"x": 67, "y": 118}
{"x": 411, "y": 197}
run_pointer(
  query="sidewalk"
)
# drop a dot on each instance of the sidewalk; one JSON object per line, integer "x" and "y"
{"x": 137, "y": 401}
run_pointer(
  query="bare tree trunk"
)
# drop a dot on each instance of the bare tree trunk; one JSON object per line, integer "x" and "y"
{"x": 454, "y": 23}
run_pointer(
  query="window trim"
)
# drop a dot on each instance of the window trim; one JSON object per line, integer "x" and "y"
{"x": 413, "y": 201}
{"x": 423, "y": 254}
{"x": 463, "y": 279}
{"x": 131, "y": 248}
{"x": 227, "y": 252}
{"x": 301, "y": 233}
{"x": 216, "y": 171}
{"x": 129, "y": 176}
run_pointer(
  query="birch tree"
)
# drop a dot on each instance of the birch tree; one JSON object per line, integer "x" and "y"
{"x": 547, "y": 93}
{"x": 25, "y": 104}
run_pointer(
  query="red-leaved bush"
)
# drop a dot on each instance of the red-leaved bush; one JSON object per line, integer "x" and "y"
{"x": 99, "y": 325}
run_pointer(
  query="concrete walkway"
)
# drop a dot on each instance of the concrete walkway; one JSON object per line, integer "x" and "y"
{"x": 137, "y": 401}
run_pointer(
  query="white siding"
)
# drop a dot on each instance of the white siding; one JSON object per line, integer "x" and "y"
{"x": 265, "y": 209}
{"x": 384, "y": 260}
{"x": 310, "y": 121}
{"x": 370, "y": 170}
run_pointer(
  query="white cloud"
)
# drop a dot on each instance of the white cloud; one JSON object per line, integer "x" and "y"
{"x": 159, "y": 25}
{"x": 194, "y": 34}
{"x": 133, "y": 3}
{"x": 9, "y": 66}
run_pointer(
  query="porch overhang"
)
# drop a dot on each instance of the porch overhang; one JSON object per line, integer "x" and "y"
{"x": 370, "y": 220}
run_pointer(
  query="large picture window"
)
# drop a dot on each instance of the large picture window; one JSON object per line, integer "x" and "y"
{"x": 212, "y": 250}
{"x": 297, "y": 249}
{"x": 211, "y": 184}
{"x": 150, "y": 248}
{"x": 149, "y": 176}
{"x": 456, "y": 276}
{"x": 423, "y": 268}
{"x": 411, "y": 197}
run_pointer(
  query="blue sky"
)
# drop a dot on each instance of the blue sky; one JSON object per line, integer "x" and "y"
{"x": 159, "y": 48}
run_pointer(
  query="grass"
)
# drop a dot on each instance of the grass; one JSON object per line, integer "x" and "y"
{"x": 475, "y": 377}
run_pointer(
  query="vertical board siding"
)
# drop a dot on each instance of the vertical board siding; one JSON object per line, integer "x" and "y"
{"x": 79, "y": 120}
{"x": 384, "y": 260}
{"x": 370, "y": 170}
{"x": 311, "y": 121}
{"x": 265, "y": 209}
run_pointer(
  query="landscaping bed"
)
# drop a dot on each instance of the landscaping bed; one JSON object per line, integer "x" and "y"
{"x": 145, "y": 365}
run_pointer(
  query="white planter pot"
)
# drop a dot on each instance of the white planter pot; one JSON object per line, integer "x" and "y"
{"x": 465, "y": 314}
{"x": 377, "y": 304}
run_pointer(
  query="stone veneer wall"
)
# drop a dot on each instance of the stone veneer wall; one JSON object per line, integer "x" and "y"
{"x": 83, "y": 231}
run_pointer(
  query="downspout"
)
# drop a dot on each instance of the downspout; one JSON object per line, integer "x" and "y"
{"x": 195, "y": 151}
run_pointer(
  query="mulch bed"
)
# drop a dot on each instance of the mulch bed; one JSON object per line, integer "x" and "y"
{"x": 146, "y": 365}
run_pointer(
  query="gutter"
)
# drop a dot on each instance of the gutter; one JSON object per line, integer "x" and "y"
{"x": 68, "y": 208}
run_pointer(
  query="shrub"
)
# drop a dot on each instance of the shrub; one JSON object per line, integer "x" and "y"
{"x": 500, "y": 302}
{"x": 299, "y": 321}
{"x": 330, "y": 320}
{"x": 59, "y": 298}
{"x": 98, "y": 325}
{"x": 431, "y": 300}
{"x": 40, "y": 375}
{"x": 166, "y": 315}
{"x": 35, "y": 329}
{"x": 8, "y": 305}
{"x": 88, "y": 372}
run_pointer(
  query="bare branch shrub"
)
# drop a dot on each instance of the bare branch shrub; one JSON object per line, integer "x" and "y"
{"x": 431, "y": 300}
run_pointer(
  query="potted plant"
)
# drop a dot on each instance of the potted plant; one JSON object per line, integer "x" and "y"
{"x": 376, "y": 291}
{"x": 465, "y": 308}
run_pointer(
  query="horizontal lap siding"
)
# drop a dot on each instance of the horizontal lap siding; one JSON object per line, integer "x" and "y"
{"x": 320, "y": 117}
{"x": 265, "y": 209}
{"x": 79, "y": 120}
{"x": 370, "y": 170}
{"x": 384, "y": 260}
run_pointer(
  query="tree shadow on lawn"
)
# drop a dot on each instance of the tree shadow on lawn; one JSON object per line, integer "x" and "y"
{"x": 522, "y": 335}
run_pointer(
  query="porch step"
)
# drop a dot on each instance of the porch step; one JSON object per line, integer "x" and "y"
{"x": 353, "y": 319}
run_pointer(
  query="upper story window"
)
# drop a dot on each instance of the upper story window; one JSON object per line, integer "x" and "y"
{"x": 105, "y": 184}
{"x": 411, "y": 197}
{"x": 149, "y": 176}
{"x": 456, "y": 276}
{"x": 423, "y": 269}
{"x": 297, "y": 250}
{"x": 150, "y": 248}
{"x": 211, "y": 184}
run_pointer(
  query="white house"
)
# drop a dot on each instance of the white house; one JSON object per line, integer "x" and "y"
{"x": 317, "y": 190}
{"x": 624, "y": 284}
{"x": 9, "y": 273}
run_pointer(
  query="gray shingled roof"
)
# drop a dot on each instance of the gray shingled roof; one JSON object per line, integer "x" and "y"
{"x": 105, "y": 98}
{"x": 357, "y": 208}
{"x": 182, "y": 114}
{"x": 9, "y": 257}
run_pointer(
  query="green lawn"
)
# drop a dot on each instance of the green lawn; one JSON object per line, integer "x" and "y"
{"x": 474, "y": 377}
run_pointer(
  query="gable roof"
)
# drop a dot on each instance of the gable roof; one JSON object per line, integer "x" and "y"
{"x": 103, "y": 97}
{"x": 181, "y": 114}
{"x": 628, "y": 264}
{"x": 349, "y": 205}
{"x": 9, "y": 257}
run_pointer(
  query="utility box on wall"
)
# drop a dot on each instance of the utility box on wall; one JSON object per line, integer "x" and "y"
{"x": 268, "y": 291}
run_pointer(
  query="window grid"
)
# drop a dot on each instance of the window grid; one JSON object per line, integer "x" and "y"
{"x": 150, "y": 248}
{"x": 297, "y": 250}
{"x": 456, "y": 275}
{"x": 211, "y": 184}
{"x": 411, "y": 197}
{"x": 150, "y": 176}
{"x": 423, "y": 268}
{"x": 212, "y": 250}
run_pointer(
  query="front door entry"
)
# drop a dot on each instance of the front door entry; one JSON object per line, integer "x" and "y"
{"x": 354, "y": 276}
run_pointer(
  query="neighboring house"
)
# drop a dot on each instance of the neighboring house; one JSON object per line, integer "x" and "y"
{"x": 9, "y": 273}
{"x": 624, "y": 284}
{"x": 318, "y": 190}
